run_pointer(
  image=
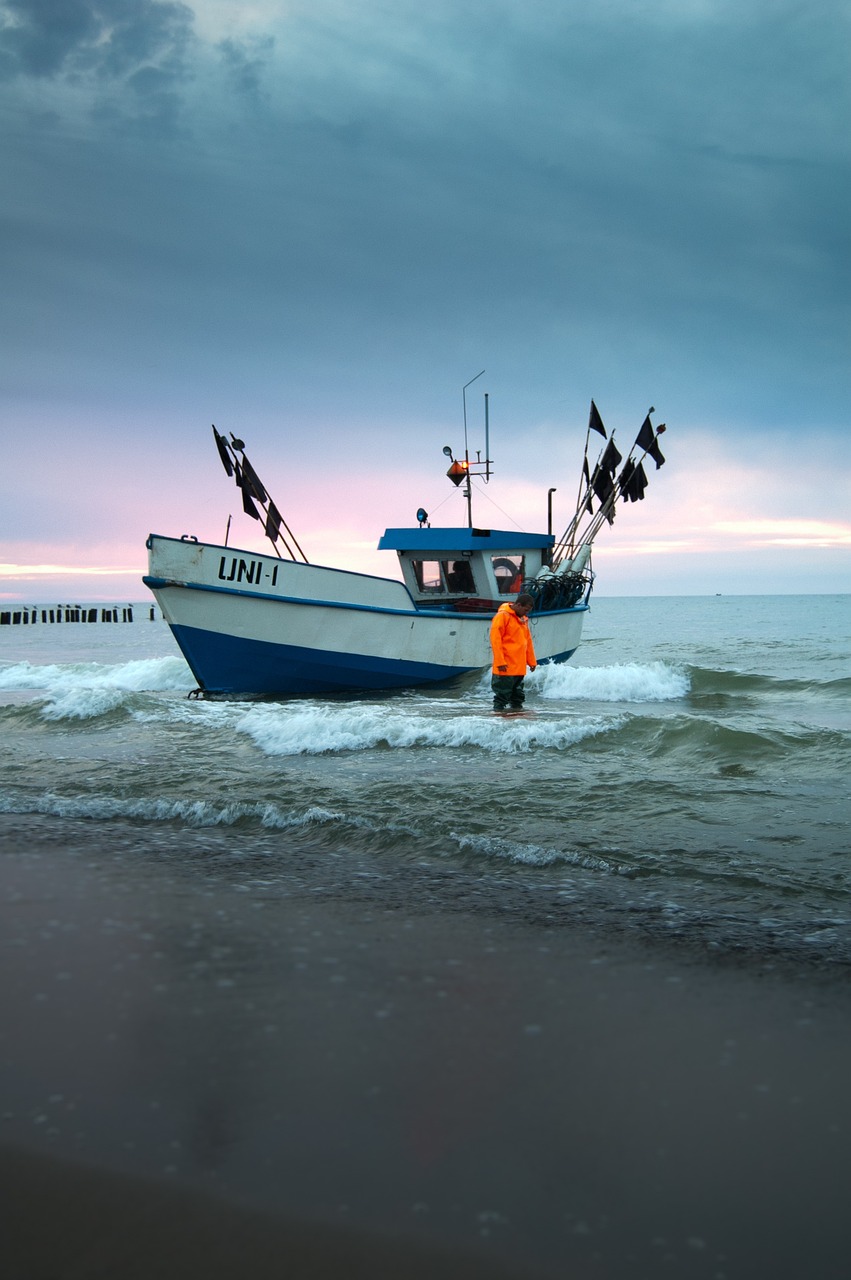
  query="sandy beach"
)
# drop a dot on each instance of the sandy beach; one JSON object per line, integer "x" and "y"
{"x": 64, "y": 1220}
{"x": 199, "y": 1079}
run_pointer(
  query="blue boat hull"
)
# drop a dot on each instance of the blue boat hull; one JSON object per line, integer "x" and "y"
{"x": 221, "y": 663}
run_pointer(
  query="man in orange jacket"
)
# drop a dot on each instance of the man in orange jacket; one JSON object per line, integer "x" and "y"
{"x": 513, "y": 652}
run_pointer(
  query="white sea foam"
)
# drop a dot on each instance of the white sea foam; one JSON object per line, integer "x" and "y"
{"x": 83, "y": 691}
{"x": 193, "y": 813}
{"x": 536, "y": 855}
{"x": 623, "y": 682}
{"x": 315, "y": 730}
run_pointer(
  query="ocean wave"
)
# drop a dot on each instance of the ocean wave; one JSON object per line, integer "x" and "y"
{"x": 371, "y": 833}
{"x": 87, "y": 690}
{"x": 622, "y": 682}
{"x": 318, "y": 730}
{"x": 723, "y": 744}
{"x": 192, "y": 813}
{"x": 533, "y": 855}
{"x": 705, "y": 680}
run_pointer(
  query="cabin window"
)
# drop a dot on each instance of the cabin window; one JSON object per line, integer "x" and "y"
{"x": 427, "y": 574}
{"x": 459, "y": 576}
{"x": 509, "y": 572}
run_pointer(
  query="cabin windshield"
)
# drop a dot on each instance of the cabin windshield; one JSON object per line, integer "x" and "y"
{"x": 427, "y": 574}
{"x": 459, "y": 576}
{"x": 509, "y": 572}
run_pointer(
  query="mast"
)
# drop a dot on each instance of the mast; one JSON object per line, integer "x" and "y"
{"x": 462, "y": 472}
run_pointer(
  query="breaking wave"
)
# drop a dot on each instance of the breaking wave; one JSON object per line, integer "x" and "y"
{"x": 190, "y": 813}
{"x": 537, "y": 856}
{"x": 627, "y": 682}
{"x": 84, "y": 691}
{"x": 316, "y": 821}
{"x": 317, "y": 730}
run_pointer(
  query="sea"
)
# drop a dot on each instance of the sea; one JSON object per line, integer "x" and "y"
{"x": 684, "y": 779}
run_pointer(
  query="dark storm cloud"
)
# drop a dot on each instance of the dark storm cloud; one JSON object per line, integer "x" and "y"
{"x": 606, "y": 196}
{"x": 140, "y": 42}
{"x": 561, "y": 151}
{"x": 38, "y": 36}
{"x": 246, "y": 62}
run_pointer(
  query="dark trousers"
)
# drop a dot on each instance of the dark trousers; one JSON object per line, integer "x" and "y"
{"x": 508, "y": 692}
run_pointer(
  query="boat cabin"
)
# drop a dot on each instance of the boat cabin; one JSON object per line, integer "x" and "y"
{"x": 451, "y": 568}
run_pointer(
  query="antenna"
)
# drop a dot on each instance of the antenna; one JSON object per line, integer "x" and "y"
{"x": 487, "y": 442}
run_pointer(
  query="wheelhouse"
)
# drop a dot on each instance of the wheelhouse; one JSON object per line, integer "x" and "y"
{"x": 446, "y": 568}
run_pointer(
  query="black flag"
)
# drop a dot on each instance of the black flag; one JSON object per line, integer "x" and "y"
{"x": 244, "y": 485}
{"x": 251, "y": 481}
{"x": 611, "y": 458}
{"x": 221, "y": 445}
{"x": 646, "y": 439}
{"x": 633, "y": 481}
{"x": 602, "y": 483}
{"x": 273, "y": 522}
{"x": 248, "y": 506}
{"x": 595, "y": 422}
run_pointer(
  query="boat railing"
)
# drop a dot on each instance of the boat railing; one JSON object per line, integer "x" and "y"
{"x": 466, "y": 604}
{"x": 551, "y": 592}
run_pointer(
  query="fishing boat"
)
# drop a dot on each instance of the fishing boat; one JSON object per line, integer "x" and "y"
{"x": 275, "y": 625}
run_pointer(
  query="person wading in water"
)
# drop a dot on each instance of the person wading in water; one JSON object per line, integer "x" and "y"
{"x": 513, "y": 652}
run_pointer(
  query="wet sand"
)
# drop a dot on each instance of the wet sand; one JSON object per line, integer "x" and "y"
{"x": 202, "y": 1075}
{"x": 69, "y": 1222}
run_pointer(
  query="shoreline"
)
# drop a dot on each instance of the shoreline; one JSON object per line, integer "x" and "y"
{"x": 470, "y": 1090}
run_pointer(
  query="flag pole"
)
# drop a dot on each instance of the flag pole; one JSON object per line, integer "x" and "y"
{"x": 583, "y": 507}
{"x": 243, "y": 472}
{"x": 649, "y": 437}
{"x": 567, "y": 541}
{"x": 579, "y": 495}
{"x": 595, "y": 421}
{"x": 608, "y": 506}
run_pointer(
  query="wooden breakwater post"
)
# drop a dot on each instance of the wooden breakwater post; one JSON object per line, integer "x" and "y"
{"x": 30, "y": 615}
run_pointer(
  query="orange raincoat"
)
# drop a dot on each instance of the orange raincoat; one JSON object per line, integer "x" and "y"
{"x": 511, "y": 641}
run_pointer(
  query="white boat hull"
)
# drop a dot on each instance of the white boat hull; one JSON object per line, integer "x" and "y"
{"x": 251, "y": 624}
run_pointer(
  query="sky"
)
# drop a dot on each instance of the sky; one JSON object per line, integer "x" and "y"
{"x": 312, "y": 222}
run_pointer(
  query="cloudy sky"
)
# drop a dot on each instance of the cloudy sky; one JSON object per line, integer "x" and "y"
{"x": 313, "y": 221}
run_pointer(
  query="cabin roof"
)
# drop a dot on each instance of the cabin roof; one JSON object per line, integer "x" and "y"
{"x": 453, "y": 541}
